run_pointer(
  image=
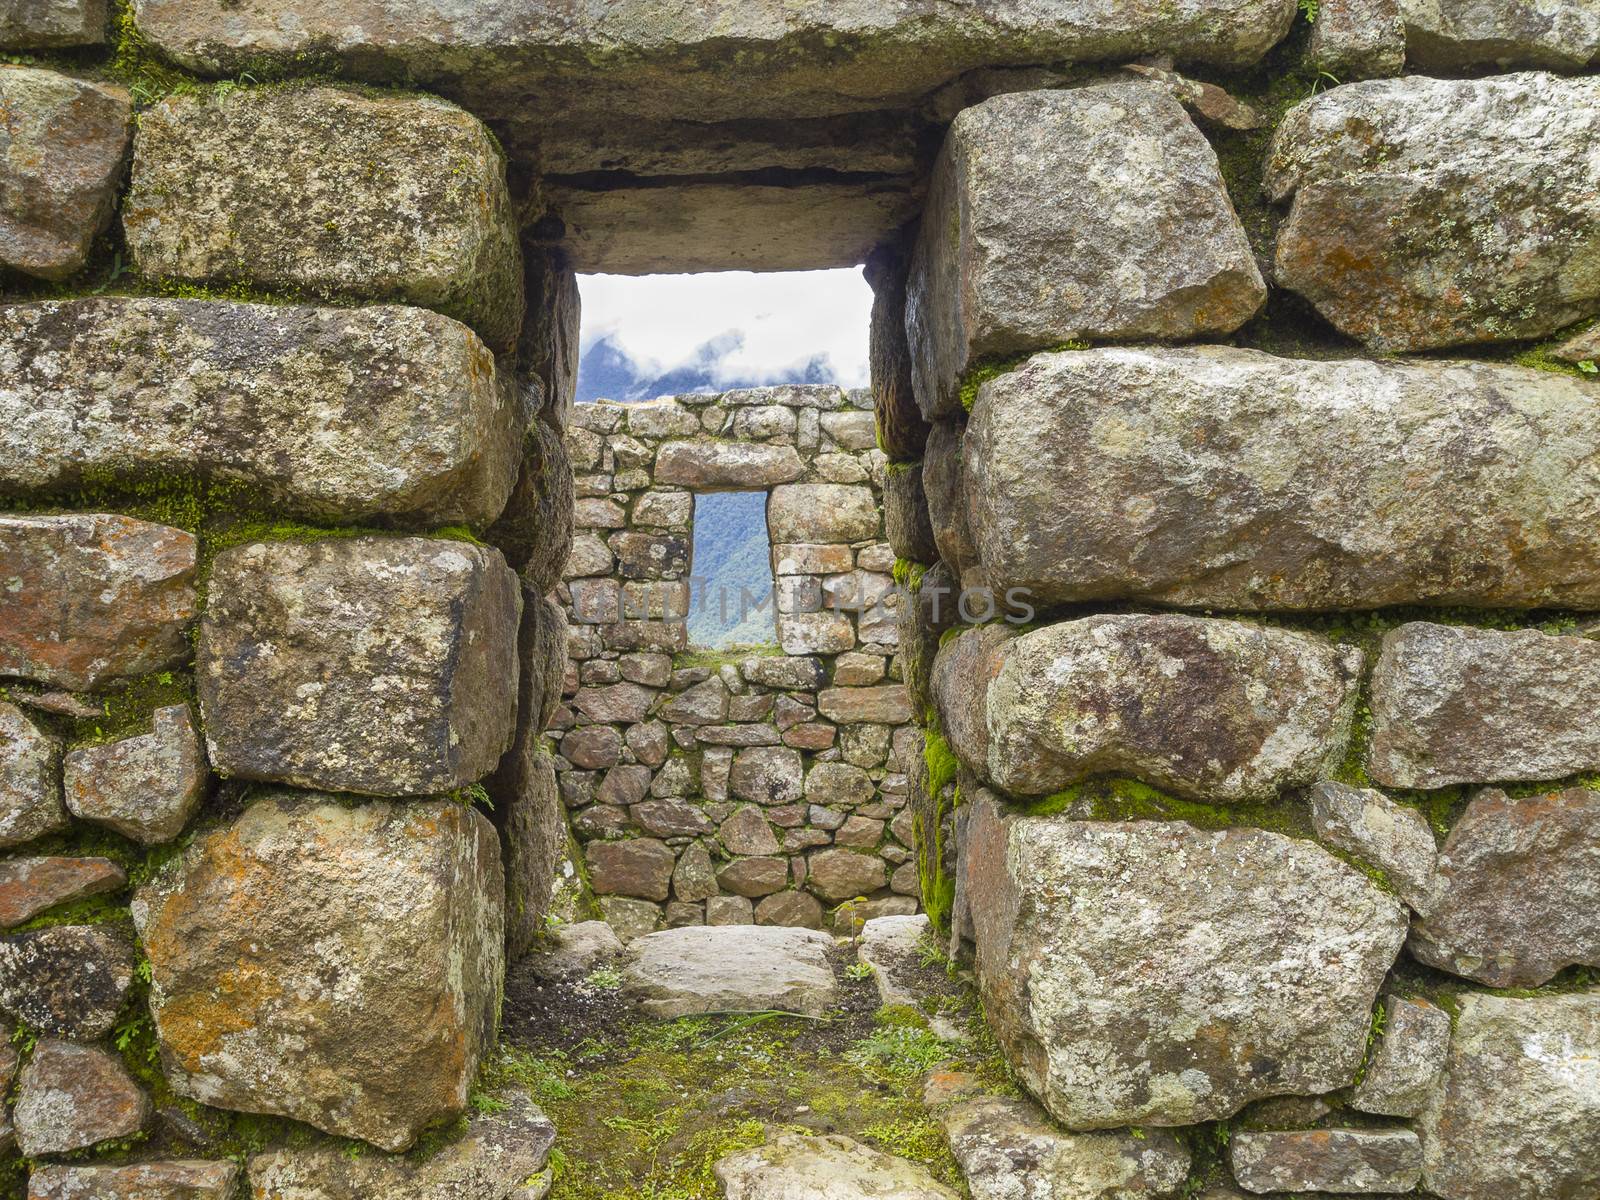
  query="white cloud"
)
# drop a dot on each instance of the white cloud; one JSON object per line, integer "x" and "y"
{"x": 784, "y": 318}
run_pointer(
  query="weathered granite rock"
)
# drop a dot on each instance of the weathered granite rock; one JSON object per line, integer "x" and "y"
{"x": 145, "y": 787}
{"x": 1152, "y": 973}
{"x": 51, "y": 24}
{"x": 747, "y": 832}
{"x": 1447, "y": 36}
{"x": 66, "y": 981}
{"x": 902, "y": 432}
{"x": 1580, "y": 348}
{"x": 1214, "y": 477}
{"x": 821, "y": 512}
{"x": 907, "y": 524}
{"x": 336, "y": 414}
{"x": 500, "y": 1151}
{"x": 30, "y": 781}
{"x": 1215, "y": 710}
{"x": 1517, "y": 1116}
{"x": 61, "y": 159}
{"x": 1021, "y": 248}
{"x": 1213, "y": 107}
{"x": 30, "y": 886}
{"x": 1008, "y": 1149}
{"x": 837, "y": 875}
{"x": 90, "y": 599}
{"x": 177, "y": 1179}
{"x": 1518, "y": 891}
{"x": 767, "y": 775}
{"x": 630, "y": 918}
{"x": 386, "y": 666}
{"x": 1455, "y": 704}
{"x": 943, "y": 481}
{"x": 340, "y": 965}
{"x": 710, "y": 464}
{"x": 1359, "y": 39}
{"x": 72, "y": 1097}
{"x": 535, "y": 530}
{"x": 1437, "y": 212}
{"x": 572, "y": 951}
{"x": 373, "y": 197}
{"x": 1351, "y": 1161}
{"x": 1395, "y": 839}
{"x": 533, "y": 839}
{"x": 754, "y": 878}
{"x": 731, "y": 968}
{"x": 640, "y": 867}
{"x": 832, "y": 1167}
{"x": 1404, "y": 1068}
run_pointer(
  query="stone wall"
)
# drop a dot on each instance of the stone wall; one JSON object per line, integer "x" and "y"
{"x": 1260, "y": 379}
{"x": 762, "y": 786}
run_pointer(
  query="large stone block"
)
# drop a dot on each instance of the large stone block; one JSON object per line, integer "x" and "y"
{"x": 87, "y": 600}
{"x": 334, "y": 192}
{"x": 177, "y": 1179}
{"x": 1447, "y": 36}
{"x": 52, "y": 24}
{"x": 1347, "y": 1161}
{"x": 1152, "y": 973}
{"x": 734, "y": 968}
{"x": 1455, "y": 704}
{"x": 73, "y": 1097}
{"x": 1517, "y": 1116}
{"x": 145, "y": 787}
{"x": 1437, "y": 212}
{"x": 1359, "y": 39}
{"x": 535, "y": 530}
{"x": 1214, "y": 710}
{"x": 386, "y": 666}
{"x": 1229, "y": 478}
{"x": 338, "y": 964}
{"x": 66, "y": 980}
{"x": 719, "y": 464}
{"x": 61, "y": 154}
{"x": 332, "y": 414}
{"x": 902, "y": 431}
{"x": 831, "y": 1167}
{"x": 821, "y": 512}
{"x": 1096, "y": 213}
{"x": 1517, "y": 896}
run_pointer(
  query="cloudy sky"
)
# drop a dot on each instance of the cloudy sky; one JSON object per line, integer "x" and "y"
{"x": 645, "y": 335}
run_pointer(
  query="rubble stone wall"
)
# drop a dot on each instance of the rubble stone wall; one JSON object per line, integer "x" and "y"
{"x": 1245, "y": 361}
{"x": 762, "y": 785}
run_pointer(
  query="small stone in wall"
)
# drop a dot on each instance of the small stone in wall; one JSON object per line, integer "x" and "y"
{"x": 53, "y": 24}
{"x": 1515, "y": 898}
{"x": 795, "y": 910}
{"x": 1021, "y": 249}
{"x": 358, "y": 950}
{"x": 711, "y": 463}
{"x": 767, "y": 775}
{"x": 1583, "y": 348}
{"x": 630, "y": 918}
{"x": 293, "y": 188}
{"x": 30, "y": 886}
{"x": 66, "y": 141}
{"x": 729, "y": 910}
{"x": 1096, "y": 986}
{"x": 838, "y": 783}
{"x": 66, "y": 981}
{"x": 1404, "y": 1067}
{"x": 694, "y": 878}
{"x": 592, "y": 747}
{"x": 746, "y": 832}
{"x": 1441, "y": 212}
{"x": 886, "y": 705}
{"x": 837, "y": 875}
{"x": 1395, "y": 839}
{"x": 803, "y": 633}
{"x": 423, "y": 700}
{"x": 182, "y": 1179}
{"x": 1010, "y": 1149}
{"x": 93, "y": 598}
{"x": 1359, "y": 39}
{"x": 30, "y": 780}
{"x": 73, "y": 1097}
{"x": 1517, "y": 1113}
{"x": 755, "y": 877}
{"x": 145, "y": 787}
{"x": 1350, "y": 1161}
{"x": 637, "y": 867}
{"x": 1455, "y": 704}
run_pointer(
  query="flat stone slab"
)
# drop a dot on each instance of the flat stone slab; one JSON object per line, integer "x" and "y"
{"x": 66, "y": 141}
{"x": 1456, "y": 704}
{"x": 177, "y": 1179}
{"x": 731, "y": 968}
{"x": 30, "y": 886}
{"x": 375, "y": 197}
{"x": 824, "y": 1168}
{"x": 53, "y": 24}
{"x": 1355, "y": 1162}
{"x": 1213, "y": 477}
{"x": 1444, "y": 37}
{"x": 90, "y": 599}
{"x": 1441, "y": 212}
{"x": 1009, "y": 1149}
{"x": 336, "y": 414}
{"x": 385, "y": 666}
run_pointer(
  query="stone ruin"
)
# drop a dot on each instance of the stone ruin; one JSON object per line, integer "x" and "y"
{"x": 1254, "y": 358}
{"x": 766, "y": 787}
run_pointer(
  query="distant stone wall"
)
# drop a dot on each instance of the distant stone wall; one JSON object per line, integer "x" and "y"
{"x": 736, "y": 788}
